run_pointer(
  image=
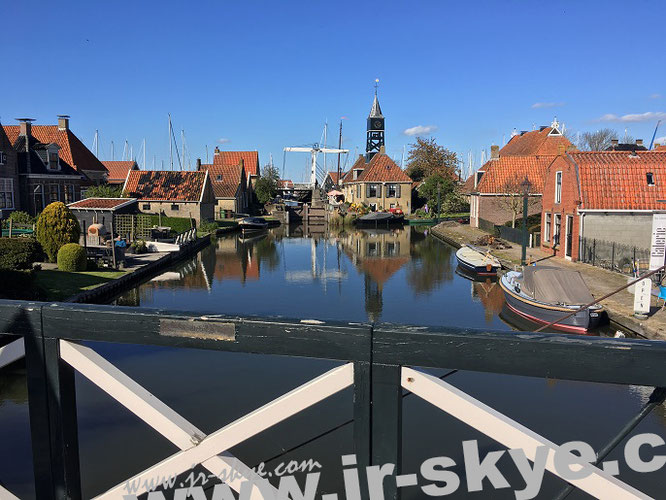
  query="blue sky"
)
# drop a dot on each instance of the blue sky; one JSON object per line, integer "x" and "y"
{"x": 264, "y": 75}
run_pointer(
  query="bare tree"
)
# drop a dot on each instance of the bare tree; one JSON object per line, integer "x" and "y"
{"x": 511, "y": 197}
{"x": 597, "y": 141}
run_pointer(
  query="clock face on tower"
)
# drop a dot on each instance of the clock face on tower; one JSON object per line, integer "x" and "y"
{"x": 377, "y": 124}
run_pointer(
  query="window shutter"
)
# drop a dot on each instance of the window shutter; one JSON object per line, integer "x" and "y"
{"x": 379, "y": 190}
{"x": 397, "y": 190}
{"x": 367, "y": 190}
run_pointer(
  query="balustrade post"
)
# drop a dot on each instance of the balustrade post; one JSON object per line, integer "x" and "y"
{"x": 386, "y": 414}
{"x": 53, "y": 422}
{"x": 362, "y": 420}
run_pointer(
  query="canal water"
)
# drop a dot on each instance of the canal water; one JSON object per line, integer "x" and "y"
{"x": 399, "y": 276}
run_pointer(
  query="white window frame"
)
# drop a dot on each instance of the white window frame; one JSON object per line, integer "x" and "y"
{"x": 547, "y": 226}
{"x": 51, "y": 190}
{"x": 390, "y": 187}
{"x": 558, "y": 186}
{"x": 3, "y": 158}
{"x": 370, "y": 188}
{"x": 557, "y": 226}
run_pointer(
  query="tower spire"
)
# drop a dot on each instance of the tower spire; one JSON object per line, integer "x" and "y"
{"x": 375, "y": 131}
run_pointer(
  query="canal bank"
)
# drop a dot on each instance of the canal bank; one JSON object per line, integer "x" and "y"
{"x": 600, "y": 281}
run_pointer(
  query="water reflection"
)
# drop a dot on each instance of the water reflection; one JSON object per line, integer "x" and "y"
{"x": 351, "y": 274}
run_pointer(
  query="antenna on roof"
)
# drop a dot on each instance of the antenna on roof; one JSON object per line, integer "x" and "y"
{"x": 113, "y": 157}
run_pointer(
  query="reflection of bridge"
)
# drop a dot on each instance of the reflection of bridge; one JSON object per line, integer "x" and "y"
{"x": 319, "y": 269}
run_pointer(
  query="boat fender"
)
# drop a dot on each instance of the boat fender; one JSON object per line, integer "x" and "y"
{"x": 516, "y": 287}
{"x": 489, "y": 267}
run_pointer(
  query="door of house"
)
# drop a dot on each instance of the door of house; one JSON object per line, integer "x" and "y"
{"x": 569, "y": 240}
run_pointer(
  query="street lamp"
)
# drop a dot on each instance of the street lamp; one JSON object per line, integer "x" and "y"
{"x": 526, "y": 193}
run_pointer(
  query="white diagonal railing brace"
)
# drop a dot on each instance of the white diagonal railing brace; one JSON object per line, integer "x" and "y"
{"x": 155, "y": 413}
{"x": 7, "y": 495}
{"x": 244, "y": 428}
{"x": 12, "y": 352}
{"x": 510, "y": 433}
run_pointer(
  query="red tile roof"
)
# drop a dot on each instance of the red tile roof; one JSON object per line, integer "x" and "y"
{"x": 617, "y": 180}
{"x": 536, "y": 142}
{"x": 118, "y": 170}
{"x": 381, "y": 269}
{"x": 505, "y": 174}
{"x": 358, "y": 164}
{"x": 165, "y": 185}
{"x": 224, "y": 178}
{"x": 468, "y": 185}
{"x": 381, "y": 168}
{"x": 233, "y": 158}
{"x": 72, "y": 150}
{"x": 660, "y": 147}
{"x": 286, "y": 183}
{"x": 334, "y": 176}
{"x": 101, "y": 203}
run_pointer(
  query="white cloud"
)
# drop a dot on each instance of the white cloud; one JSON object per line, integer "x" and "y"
{"x": 223, "y": 140}
{"x": 420, "y": 130}
{"x": 660, "y": 140}
{"x": 634, "y": 117}
{"x": 539, "y": 105}
{"x": 655, "y": 96}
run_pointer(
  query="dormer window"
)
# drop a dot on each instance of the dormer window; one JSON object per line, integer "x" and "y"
{"x": 218, "y": 177}
{"x": 53, "y": 158}
{"x": 650, "y": 178}
{"x": 3, "y": 158}
{"x": 357, "y": 172}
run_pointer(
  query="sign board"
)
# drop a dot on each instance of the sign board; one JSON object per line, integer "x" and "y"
{"x": 642, "y": 296}
{"x": 658, "y": 247}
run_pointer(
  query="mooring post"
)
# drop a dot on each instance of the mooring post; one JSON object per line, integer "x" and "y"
{"x": 53, "y": 422}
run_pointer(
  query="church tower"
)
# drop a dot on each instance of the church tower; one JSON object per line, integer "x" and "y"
{"x": 375, "y": 137}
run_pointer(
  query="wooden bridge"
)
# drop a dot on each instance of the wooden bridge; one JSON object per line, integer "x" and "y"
{"x": 376, "y": 360}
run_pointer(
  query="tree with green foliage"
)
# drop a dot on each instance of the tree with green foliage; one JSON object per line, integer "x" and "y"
{"x": 104, "y": 191}
{"x": 426, "y": 158}
{"x": 19, "y": 217}
{"x": 455, "y": 202}
{"x": 19, "y": 253}
{"x": 435, "y": 188}
{"x": 56, "y": 226}
{"x": 266, "y": 186}
{"x": 72, "y": 258}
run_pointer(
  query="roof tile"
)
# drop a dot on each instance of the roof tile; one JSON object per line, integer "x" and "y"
{"x": 165, "y": 185}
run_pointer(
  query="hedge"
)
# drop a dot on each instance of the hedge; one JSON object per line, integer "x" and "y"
{"x": 19, "y": 253}
{"x": 72, "y": 258}
{"x": 19, "y": 285}
{"x": 177, "y": 224}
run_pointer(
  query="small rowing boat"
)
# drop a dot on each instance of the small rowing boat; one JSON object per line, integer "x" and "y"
{"x": 545, "y": 294}
{"x": 475, "y": 260}
{"x": 253, "y": 224}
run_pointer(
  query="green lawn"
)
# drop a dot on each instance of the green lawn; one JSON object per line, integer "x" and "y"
{"x": 59, "y": 285}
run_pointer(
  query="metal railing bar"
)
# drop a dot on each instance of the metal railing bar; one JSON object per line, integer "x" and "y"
{"x": 151, "y": 410}
{"x": 5, "y": 494}
{"x": 12, "y": 352}
{"x": 656, "y": 398}
{"x": 511, "y": 434}
{"x": 242, "y": 429}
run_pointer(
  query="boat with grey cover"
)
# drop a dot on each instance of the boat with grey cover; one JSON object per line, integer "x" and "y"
{"x": 544, "y": 294}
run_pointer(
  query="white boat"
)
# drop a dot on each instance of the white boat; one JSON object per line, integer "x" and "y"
{"x": 477, "y": 260}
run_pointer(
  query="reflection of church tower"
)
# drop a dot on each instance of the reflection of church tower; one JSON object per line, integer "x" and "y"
{"x": 374, "y": 302}
{"x": 375, "y": 138}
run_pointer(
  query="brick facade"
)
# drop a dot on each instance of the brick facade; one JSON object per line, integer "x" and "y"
{"x": 561, "y": 216}
{"x": 9, "y": 177}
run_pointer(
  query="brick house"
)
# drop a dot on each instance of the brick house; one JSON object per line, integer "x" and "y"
{"x": 72, "y": 150}
{"x": 45, "y": 175}
{"x": 378, "y": 183}
{"x": 9, "y": 177}
{"x": 173, "y": 194}
{"x": 232, "y": 192}
{"x": 494, "y": 190}
{"x": 118, "y": 171}
{"x": 248, "y": 159}
{"x": 607, "y": 196}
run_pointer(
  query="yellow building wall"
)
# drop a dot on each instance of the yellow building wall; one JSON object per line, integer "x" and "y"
{"x": 383, "y": 202}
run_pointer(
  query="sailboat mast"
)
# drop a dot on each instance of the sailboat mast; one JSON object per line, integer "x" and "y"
{"x": 144, "y": 153}
{"x": 170, "y": 144}
{"x": 113, "y": 152}
{"x": 339, "y": 147}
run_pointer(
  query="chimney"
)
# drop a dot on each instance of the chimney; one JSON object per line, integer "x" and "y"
{"x": 63, "y": 122}
{"x": 639, "y": 142}
{"x": 494, "y": 152}
{"x": 382, "y": 150}
{"x": 25, "y": 128}
{"x": 217, "y": 151}
{"x": 198, "y": 163}
{"x": 614, "y": 142}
